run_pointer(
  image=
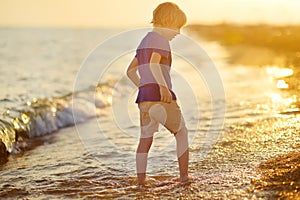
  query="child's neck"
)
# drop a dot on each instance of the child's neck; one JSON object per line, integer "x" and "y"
{"x": 160, "y": 31}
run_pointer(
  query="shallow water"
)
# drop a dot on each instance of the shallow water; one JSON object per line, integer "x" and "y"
{"x": 96, "y": 160}
{"x": 226, "y": 173}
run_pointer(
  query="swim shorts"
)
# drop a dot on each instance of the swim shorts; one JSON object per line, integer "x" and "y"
{"x": 154, "y": 113}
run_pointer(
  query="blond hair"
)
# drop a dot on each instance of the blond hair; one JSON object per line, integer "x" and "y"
{"x": 168, "y": 15}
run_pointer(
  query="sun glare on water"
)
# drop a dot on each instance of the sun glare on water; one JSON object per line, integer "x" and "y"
{"x": 277, "y": 73}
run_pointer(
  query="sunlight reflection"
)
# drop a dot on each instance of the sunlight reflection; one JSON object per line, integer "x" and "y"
{"x": 281, "y": 84}
{"x": 25, "y": 118}
{"x": 16, "y": 123}
{"x": 53, "y": 110}
{"x": 277, "y": 98}
{"x": 278, "y": 72}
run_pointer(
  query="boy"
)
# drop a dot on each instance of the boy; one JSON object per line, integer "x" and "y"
{"x": 156, "y": 100}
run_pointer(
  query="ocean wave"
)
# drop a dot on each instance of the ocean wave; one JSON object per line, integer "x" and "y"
{"x": 43, "y": 116}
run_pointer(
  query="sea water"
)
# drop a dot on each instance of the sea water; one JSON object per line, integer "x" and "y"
{"x": 96, "y": 158}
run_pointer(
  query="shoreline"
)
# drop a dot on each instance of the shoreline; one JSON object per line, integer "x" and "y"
{"x": 265, "y": 45}
{"x": 260, "y": 45}
{"x": 257, "y": 44}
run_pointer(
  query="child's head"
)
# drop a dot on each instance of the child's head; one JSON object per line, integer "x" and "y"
{"x": 168, "y": 15}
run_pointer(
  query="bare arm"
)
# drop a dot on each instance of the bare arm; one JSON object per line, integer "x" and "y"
{"x": 131, "y": 72}
{"x": 155, "y": 68}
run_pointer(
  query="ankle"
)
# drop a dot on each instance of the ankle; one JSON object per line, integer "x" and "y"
{"x": 184, "y": 179}
{"x": 141, "y": 177}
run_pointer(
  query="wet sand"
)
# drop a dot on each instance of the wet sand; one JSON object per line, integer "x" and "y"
{"x": 252, "y": 160}
{"x": 274, "y": 143}
{"x": 261, "y": 158}
{"x": 280, "y": 177}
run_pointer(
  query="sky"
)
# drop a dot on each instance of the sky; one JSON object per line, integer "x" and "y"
{"x": 137, "y": 13}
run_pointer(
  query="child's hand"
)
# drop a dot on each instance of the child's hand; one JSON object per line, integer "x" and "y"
{"x": 165, "y": 95}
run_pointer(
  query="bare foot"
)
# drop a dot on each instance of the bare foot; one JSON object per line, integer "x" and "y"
{"x": 186, "y": 181}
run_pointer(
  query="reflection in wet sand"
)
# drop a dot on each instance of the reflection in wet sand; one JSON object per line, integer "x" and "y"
{"x": 275, "y": 49}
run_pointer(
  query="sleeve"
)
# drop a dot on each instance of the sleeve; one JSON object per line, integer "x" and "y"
{"x": 162, "y": 52}
{"x": 156, "y": 44}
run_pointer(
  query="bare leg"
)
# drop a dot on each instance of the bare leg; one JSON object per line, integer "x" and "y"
{"x": 141, "y": 158}
{"x": 183, "y": 166}
{"x": 182, "y": 153}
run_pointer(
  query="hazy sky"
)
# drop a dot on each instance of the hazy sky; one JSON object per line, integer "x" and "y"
{"x": 128, "y": 13}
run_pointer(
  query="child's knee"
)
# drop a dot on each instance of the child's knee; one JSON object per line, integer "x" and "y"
{"x": 182, "y": 134}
